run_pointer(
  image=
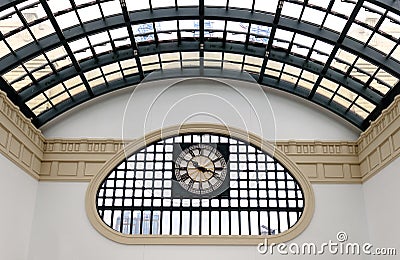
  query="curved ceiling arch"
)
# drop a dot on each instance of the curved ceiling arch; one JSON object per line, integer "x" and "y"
{"x": 310, "y": 58}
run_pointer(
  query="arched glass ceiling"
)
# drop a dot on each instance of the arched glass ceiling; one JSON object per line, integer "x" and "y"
{"x": 341, "y": 54}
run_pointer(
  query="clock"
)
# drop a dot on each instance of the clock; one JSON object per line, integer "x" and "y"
{"x": 201, "y": 169}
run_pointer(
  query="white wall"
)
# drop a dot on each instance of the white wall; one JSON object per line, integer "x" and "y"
{"x": 382, "y": 195}
{"x": 63, "y": 232}
{"x": 17, "y": 200}
{"x": 272, "y": 114}
{"x": 61, "y": 228}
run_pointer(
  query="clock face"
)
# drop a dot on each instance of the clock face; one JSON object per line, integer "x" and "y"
{"x": 200, "y": 169}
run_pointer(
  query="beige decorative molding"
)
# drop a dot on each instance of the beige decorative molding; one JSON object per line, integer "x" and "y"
{"x": 20, "y": 141}
{"x": 76, "y": 160}
{"x": 80, "y": 160}
{"x": 324, "y": 162}
{"x": 380, "y": 143}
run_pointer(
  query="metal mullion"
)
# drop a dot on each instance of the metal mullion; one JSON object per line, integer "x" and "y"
{"x": 242, "y": 63}
{"x": 305, "y": 3}
{"x": 113, "y": 200}
{"x": 201, "y": 31}
{"x": 289, "y": 49}
{"x": 132, "y": 37}
{"x": 224, "y": 34}
{"x": 190, "y": 216}
{"x": 299, "y": 78}
{"x": 200, "y": 216}
{"x": 101, "y": 9}
{"x": 297, "y": 199}
{"x": 258, "y": 192}
{"x": 287, "y": 199}
{"x": 277, "y": 195}
{"x": 178, "y": 32}
{"x": 229, "y": 214}
{"x": 207, "y": 208}
{"x": 162, "y": 190}
{"x": 103, "y": 199}
{"x": 271, "y": 39}
{"x": 338, "y": 44}
{"x": 393, "y": 49}
{"x": 376, "y": 28}
{"x": 238, "y": 188}
{"x": 75, "y": 8}
{"x": 334, "y": 94}
{"x": 248, "y": 188}
{"x": 180, "y": 215}
{"x": 28, "y": 27}
{"x": 81, "y": 24}
{"x": 371, "y": 78}
{"x": 352, "y": 103}
{"x": 268, "y": 197}
{"x": 133, "y": 194}
{"x": 123, "y": 197}
{"x": 159, "y": 60}
{"x": 246, "y": 42}
{"x": 66, "y": 46}
{"x": 327, "y": 12}
{"x": 152, "y": 192}
{"x": 143, "y": 189}
{"x": 219, "y": 216}
{"x": 156, "y": 40}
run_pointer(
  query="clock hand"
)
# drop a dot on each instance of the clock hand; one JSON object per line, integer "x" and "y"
{"x": 198, "y": 167}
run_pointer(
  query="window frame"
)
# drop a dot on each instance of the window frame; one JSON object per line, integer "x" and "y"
{"x": 140, "y": 143}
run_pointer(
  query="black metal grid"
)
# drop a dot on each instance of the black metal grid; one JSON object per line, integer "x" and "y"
{"x": 262, "y": 198}
{"x": 53, "y": 57}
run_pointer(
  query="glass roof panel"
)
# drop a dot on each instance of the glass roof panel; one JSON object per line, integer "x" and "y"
{"x": 270, "y": 7}
{"x": 149, "y": 59}
{"x": 4, "y": 50}
{"x": 59, "y": 5}
{"x": 343, "y": 7}
{"x": 360, "y": 33}
{"x": 177, "y": 35}
{"x": 321, "y": 3}
{"x": 137, "y": 5}
{"x": 289, "y": 78}
{"x": 246, "y": 4}
{"x": 93, "y": 74}
{"x": 215, "y": 2}
{"x": 335, "y": 23}
{"x": 19, "y": 39}
{"x": 284, "y": 35}
{"x": 274, "y": 65}
{"x": 50, "y": 93}
{"x": 89, "y": 13}
{"x": 67, "y": 20}
{"x": 111, "y": 7}
{"x": 292, "y": 9}
{"x": 70, "y": 83}
{"x": 162, "y": 3}
{"x": 253, "y": 60}
{"x": 382, "y": 43}
{"x": 313, "y": 16}
{"x": 188, "y": 2}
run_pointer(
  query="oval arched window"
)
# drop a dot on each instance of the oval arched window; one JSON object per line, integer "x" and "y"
{"x": 200, "y": 184}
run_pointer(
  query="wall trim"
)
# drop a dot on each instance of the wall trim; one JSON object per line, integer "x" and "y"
{"x": 379, "y": 145}
{"x": 20, "y": 141}
{"x": 80, "y": 159}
